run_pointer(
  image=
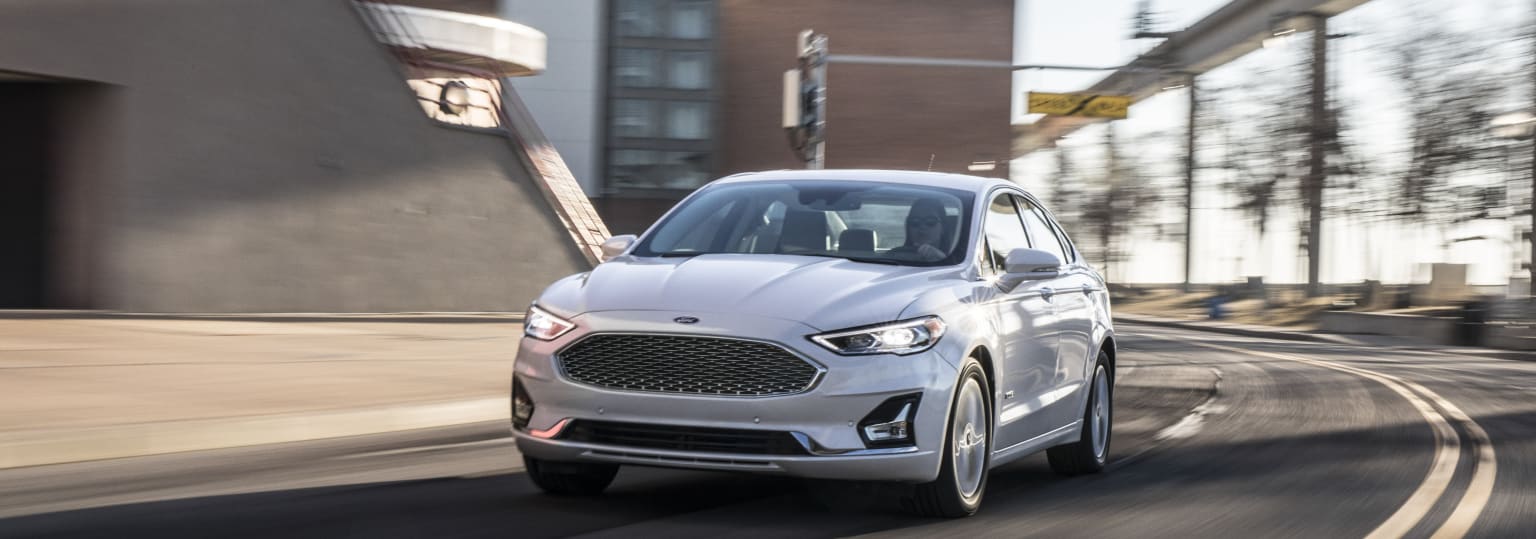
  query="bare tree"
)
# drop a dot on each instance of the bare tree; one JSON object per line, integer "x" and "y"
{"x": 1115, "y": 206}
{"x": 1264, "y": 152}
{"x": 1451, "y": 95}
{"x": 1066, "y": 191}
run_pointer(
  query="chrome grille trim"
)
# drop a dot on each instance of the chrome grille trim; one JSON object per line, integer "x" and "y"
{"x": 815, "y": 373}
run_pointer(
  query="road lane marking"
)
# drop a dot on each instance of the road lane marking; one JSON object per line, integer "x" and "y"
{"x": 1191, "y": 424}
{"x": 1485, "y": 471}
{"x": 1447, "y": 448}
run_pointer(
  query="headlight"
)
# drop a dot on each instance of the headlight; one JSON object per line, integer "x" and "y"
{"x": 905, "y": 337}
{"x": 543, "y": 326}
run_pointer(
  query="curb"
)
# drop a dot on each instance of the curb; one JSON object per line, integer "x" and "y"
{"x": 41, "y": 447}
{"x": 1230, "y": 329}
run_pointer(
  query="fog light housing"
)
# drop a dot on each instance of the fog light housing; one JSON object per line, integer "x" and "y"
{"x": 891, "y": 424}
{"x": 522, "y": 405}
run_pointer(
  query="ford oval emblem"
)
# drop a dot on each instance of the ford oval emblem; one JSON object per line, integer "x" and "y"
{"x": 686, "y": 320}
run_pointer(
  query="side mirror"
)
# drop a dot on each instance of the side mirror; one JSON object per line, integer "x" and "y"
{"x": 617, "y": 245}
{"x": 1030, "y": 265}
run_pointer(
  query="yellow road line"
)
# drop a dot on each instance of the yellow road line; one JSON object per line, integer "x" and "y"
{"x": 1485, "y": 470}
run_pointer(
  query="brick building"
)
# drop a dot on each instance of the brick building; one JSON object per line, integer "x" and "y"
{"x": 684, "y": 91}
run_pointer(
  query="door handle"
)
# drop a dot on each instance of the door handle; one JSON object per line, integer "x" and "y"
{"x": 1046, "y": 292}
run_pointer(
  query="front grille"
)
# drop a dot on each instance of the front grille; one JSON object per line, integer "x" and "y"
{"x": 677, "y": 438}
{"x": 690, "y": 365}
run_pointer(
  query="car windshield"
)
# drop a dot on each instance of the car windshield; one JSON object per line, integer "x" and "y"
{"x": 873, "y": 222}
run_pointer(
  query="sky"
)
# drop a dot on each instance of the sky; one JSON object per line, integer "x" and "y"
{"x": 1095, "y": 32}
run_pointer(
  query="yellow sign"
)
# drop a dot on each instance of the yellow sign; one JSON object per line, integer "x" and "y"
{"x": 1089, "y": 105}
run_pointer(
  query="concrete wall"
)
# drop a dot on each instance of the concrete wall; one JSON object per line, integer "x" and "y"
{"x": 1425, "y": 329}
{"x": 266, "y": 155}
{"x": 567, "y": 98}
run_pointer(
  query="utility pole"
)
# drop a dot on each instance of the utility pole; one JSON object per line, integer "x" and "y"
{"x": 1189, "y": 186}
{"x": 1532, "y": 271}
{"x": 1317, "y": 175}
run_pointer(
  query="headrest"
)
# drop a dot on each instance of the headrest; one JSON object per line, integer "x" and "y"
{"x": 856, "y": 239}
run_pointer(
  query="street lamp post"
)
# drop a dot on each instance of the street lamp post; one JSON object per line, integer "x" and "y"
{"x": 1518, "y": 126}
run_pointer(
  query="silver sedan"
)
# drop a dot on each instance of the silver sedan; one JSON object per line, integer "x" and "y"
{"x": 908, "y": 327}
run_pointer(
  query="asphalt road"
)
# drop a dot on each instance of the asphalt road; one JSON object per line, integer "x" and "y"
{"x": 1216, "y": 436}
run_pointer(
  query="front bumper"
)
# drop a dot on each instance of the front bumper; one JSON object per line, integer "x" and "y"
{"x": 823, "y": 419}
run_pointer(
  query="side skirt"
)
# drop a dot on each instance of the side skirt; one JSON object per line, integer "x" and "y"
{"x": 1064, "y": 435}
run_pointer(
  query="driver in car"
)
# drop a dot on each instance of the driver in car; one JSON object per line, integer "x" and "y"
{"x": 925, "y": 230}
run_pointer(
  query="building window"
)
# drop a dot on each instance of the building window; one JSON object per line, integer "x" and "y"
{"x": 637, "y": 18}
{"x": 691, "y": 19}
{"x": 661, "y": 97}
{"x": 634, "y": 118}
{"x": 688, "y": 120}
{"x": 634, "y": 168}
{"x": 636, "y": 68}
{"x": 649, "y": 169}
{"x": 688, "y": 70}
{"x": 687, "y": 170}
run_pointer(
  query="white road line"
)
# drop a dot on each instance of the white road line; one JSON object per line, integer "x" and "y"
{"x": 1191, "y": 424}
{"x": 1447, "y": 451}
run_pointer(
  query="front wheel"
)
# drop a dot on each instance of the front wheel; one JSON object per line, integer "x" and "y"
{"x": 967, "y": 453}
{"x": 1091, "y": 451}
{"x": 570, "y": 478}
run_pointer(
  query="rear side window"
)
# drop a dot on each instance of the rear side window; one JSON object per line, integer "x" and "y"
{"x": 1061, "y": 234}
{"x": 1041, "y": 235}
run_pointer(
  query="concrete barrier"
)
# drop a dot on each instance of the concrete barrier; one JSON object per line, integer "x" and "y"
{"x": 1424, "y": 329}
{"x": 1510, "y": 337}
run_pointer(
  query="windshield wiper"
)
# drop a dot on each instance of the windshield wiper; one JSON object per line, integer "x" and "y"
{"x": 885, "y": 261}
{"x": 680, "y": 254}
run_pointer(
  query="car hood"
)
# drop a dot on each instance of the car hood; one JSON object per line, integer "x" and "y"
{"x": 824, "y": 293}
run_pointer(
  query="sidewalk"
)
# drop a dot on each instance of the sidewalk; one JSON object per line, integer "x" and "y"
{"x": 83, "y": 386}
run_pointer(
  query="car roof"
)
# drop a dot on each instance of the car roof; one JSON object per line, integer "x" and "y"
{"x": 907, "y": 177}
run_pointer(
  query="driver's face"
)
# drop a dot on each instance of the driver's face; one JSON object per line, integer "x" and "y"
{"x": 923, "y": 228}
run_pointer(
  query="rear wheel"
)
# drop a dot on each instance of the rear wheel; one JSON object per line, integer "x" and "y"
{"x": 967, "y": 453}
{"x": 1091, "y": 451}
{"x": 570, "y": 478}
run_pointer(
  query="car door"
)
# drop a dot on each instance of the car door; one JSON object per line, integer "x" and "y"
{"x": 1074, "y": 315}
{"x": 1025, "y": 317}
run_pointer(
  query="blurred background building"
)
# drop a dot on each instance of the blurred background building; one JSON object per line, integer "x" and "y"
{"x": 339, "y": 155}
{"x": 259, "y": 155}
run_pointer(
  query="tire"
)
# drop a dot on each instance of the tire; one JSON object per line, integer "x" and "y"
{"x": 1090, "y": 452}
{"x": 570, "y": 478}
{"x": 962, "y": 481}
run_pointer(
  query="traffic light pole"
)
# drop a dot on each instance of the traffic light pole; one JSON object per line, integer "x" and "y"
{"x": 818, "y": 61}
{"x": 805, "y": 100}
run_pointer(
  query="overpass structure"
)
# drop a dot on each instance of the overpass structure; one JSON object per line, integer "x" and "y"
{"x": 1227, "y": 34}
